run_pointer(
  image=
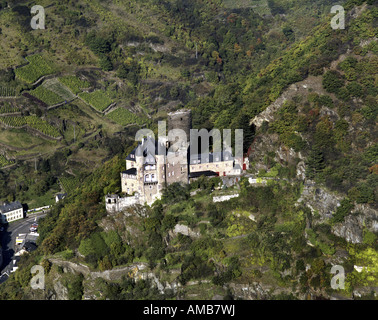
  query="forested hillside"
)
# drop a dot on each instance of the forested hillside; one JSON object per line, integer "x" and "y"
{"x": 73, "y": 96}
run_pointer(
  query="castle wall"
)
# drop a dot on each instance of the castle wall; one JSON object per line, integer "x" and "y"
{"x": 160, "y": 172}
{"x": 177, "y": 168}
{"x": 221, "y": 167}
{"x": 129, "y": 183}
{"x": 130, "y": 164}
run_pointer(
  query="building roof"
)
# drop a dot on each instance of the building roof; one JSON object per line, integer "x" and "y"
{"x": 147, "y": 148}
{"x": 112, "y": 196}
{"x": 30, "y": 246}
{"x": 10, "y": 207}
{"x": 61, "y": 196}
{"x": 131, "y": 155}
{"x": 181, "y": 111}
{"x": 206, "y": 173}
{"x": 132, "y": 171}
{"x": 149, "y": 158}
{"x": 211, "y": 157}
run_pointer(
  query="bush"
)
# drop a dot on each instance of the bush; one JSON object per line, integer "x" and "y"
{"x": 333, "y": 81}
{"x": 75, "y": 288}
{"x": 343, "y": 210}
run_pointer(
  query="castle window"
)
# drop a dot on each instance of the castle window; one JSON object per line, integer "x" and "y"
{"x": 173, "y": 173}
{"x": 169, "y": 174}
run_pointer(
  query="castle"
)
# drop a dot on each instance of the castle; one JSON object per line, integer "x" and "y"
{"x": 154, "y": 164}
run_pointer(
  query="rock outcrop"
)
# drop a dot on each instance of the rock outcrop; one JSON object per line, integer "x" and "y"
{"x": 323, "y": 205}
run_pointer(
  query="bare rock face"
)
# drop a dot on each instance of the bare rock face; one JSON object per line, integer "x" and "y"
{"x": 299, "y": 88}
{"x": 183, "y": 229}
{"x": 350, "y": 230}
{"x": 324, "y": 204}
{"x": 61, "y": 292}
{"x": 321, "y": 203}
{"x": 261, "y": 146}
{"x": 256, "y": 291}
{"x": 301, "y": 170}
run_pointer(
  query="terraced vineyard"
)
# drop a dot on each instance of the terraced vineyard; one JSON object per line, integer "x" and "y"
{"x": 47, "y": 96}
{"x": 14, "y": 121}
{"x": 69, "y": 184}
{"x": 37, "y": 67}
{"x": 4, "y": 161}
{"x": 32, "y": 122}
{"x": 59, "y": 88}
{"x": 7, "y": 92}
{"x": 74, "y": 83}
{"x": 8, "y": 108}
{"x": 97, "y": 99}
{"x": 42, "y": 126}
{"x": 124, "y": 117}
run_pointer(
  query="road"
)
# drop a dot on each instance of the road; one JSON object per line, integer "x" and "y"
{"x": 8, "y": 241}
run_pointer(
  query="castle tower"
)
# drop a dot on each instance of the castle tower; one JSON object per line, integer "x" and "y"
{"x": 177, "y": 161}
{"x": 181, "y": 119}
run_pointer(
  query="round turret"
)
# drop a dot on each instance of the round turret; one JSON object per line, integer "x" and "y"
{"x": 181, "y": 119}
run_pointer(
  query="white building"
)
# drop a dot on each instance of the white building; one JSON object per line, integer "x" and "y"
{"x": 11, "y": 212}
{"x": 60, "y": 196}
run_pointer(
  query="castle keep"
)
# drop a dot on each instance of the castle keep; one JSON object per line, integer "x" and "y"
{"x": 154, "y": 164}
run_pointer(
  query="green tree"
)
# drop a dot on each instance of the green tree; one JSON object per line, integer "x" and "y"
{"x": 105, "y": 63}
{"x": 343, "y": 210}
{"x": 314, "y": 164}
